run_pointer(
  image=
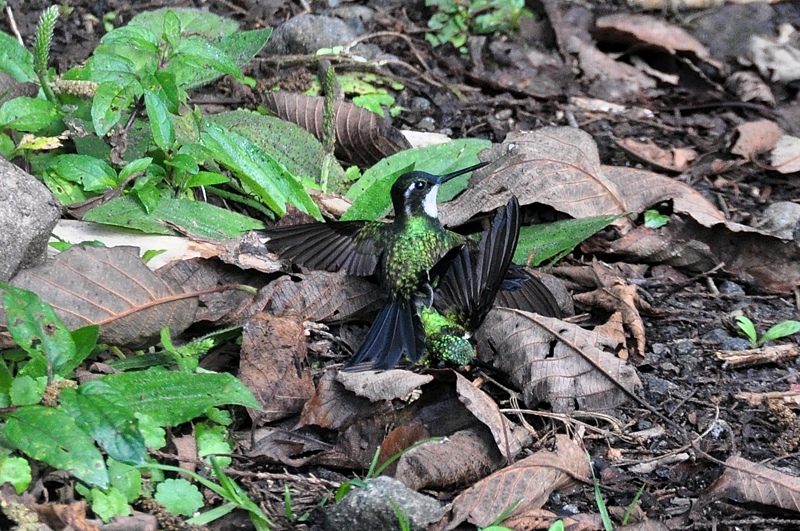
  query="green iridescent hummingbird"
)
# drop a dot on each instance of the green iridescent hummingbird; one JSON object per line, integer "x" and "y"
{"x": 469, "y": 287}
{"x": 401, "y": 254}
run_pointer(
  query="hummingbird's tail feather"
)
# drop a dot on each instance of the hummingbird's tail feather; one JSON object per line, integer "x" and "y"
{"x": 396, "y": 331}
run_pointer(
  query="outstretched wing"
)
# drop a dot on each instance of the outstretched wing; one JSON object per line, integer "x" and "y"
{"x": 333, "y": 246}
{"x": 396, "y": 331}
{"x": 468, "y": 287}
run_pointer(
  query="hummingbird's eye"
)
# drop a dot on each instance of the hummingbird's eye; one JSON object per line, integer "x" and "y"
{"x": 419, "y": 185}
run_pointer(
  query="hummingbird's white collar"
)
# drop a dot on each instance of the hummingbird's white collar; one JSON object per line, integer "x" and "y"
{"x": 429, "y": 204}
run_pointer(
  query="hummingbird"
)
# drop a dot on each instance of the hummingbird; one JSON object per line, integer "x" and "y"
{"x": 469, "y": 286}
{"x": 400, "y": 254}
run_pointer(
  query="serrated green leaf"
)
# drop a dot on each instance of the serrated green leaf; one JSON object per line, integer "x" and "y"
{"x": 172, "y": 28}
{"x": 94, "y": 174}
{"x": 213, "y": 440}
{"x": 135, "y": 166}
{"x": 32, "y": 430}
{"x": 126, "y": 479}
{"x": 289, "y": 144}
{"x": 17, "y": 471}
{"x": 16, "y": 60}
{"x": 104, "y": 66}
{"x": 109, "y": 503}
{"x": 28, "y": 114}
{"x": 194, "y": 217}
{"x": 132, "y": 36}
{"x": 109, "y": 101}
{"x": 261, "y": 173}
{"x": 200, "y": 53}
{"x": 169, "y": 397}
{"x": 173, "y": 95}
{"x": 113, "y": 426}
{"x": 538, "y": 243}
{"x": 782, "y": 329}
{"x": 35, "y": 327}
{"x": 241, "y": 46}
{"x": 26, "y": 390}
{"x": 179, "y": 496}
{"x": 371, "y": 195}
{"x": 160, "y": 121}
{"x": 192, "y": 20}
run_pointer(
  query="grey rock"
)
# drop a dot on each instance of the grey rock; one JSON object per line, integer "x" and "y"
{"x": 726, "y": 287}
{"x": 735, "y": 343}
{"x": 28, "y": 213}
{"x": 373, "y": 508}
{"x": 717, "y": 335}
{"x": 305, "y": 34}
{"x": 781, "y": 219}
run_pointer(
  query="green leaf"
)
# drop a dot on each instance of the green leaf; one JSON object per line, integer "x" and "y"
{"x": 171, "y": 398}
{"x": 15, "y": 59}
{"x": 160, "y": 121}
{"x": 653, "y": 219}
{"x": 17, "y": 471}
{"x": 106, "y": 67}
{"x": 192, "y": 21}
{"x": 126, "y": 479}
{"x": 109, "y": 101}
{"x": 374, "y": 102}
{"x": 273, "y": 184}
{"x": 213, "y": 440}
{"x": 371, "y": 194}
{"x": 206, "y": 178}
{"x": 26, "y": 390}
{"x": 179, "y": 496}
{"x": 109, "y": 503}
{"x": 134, "y": 167}
{"x": 113, "y": 426}
{"x": 154, "y": 435}
{"x": 172, "y": 28}
{"x": 200, "y": 53}
{"x": 748, "y": 328}
{"x": 289, "y": 144}
{"x": 132, "y": 36}
{"x": 183, "y": 162}
{"x": 193, "y": 217}
{"x": 173, "y": 95}
{"x": 34, "y": 325}
{"x": 85, "y": 339}
{"x": 538, "y": 243}
{"x": 94, "y": 174}
{"x": 51, "y": 436}
{"x": 66, "y": 192}
{"x": 783, "y": 329}
{"x": 28, "y": 114}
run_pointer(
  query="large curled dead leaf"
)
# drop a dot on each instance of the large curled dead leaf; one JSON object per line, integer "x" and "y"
{"x": 362, "y": 137}
{"x": 111, "y": 287}
{"x": 745, "y": 481}
{"x": 555, "y": 362}
{"x": 525, "y": 486}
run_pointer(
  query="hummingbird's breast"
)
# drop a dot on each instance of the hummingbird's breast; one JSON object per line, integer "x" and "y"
{"x": 412, "y": 252}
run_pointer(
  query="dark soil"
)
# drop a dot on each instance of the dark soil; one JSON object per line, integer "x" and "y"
{"x": 683, "y": 378}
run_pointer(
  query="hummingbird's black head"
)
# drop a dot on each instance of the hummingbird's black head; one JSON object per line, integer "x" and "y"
{"x": 414, "y": 193}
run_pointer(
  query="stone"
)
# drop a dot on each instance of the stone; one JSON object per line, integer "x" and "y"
{"x": 28, "y": 213}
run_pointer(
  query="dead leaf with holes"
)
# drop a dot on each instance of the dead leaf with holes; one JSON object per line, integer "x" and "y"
{"x": 362, "y": 137}
{"x": 556, "y": 363}
{"x": 746, "y": 482}
{"x": 113, "y": 288}
{"x": 273, "y": 366}
{"x": 525, "y": 485}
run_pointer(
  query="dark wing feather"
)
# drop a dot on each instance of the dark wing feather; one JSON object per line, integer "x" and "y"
{"x": 523, "y": 291}
{"x": 393, "y": 333}
{"x": 328, "y": 246}
{"x": 468, "y": 288}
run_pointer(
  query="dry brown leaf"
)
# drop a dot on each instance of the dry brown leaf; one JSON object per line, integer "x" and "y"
{"x": 111, "y": 287}
{"x": 786, "y": 155}
{"x": 676, "y": 159}
{"x": 744, "y": 481}
{"x": 528, "y": 482}
{"x": 541, "y": 520}
{"x": 186, "y": 448}
{"x": 748, "y": 86}
{"x": 487, "y": 412}
{"x": 611, "y": 79}
{"x": 460, "y": 459}
{"x": 756, "y": 137}
{"x": 334, "y": 407}
{"x": 362, "y": 137}
{"x": 382, "y": 385}
{"x": 635, "y": 29}
{"x": 320, "y": 296}
{"x": 560, "y": 167}
{"x": 549, "y": 361}
{"x": 273, "y": 366}
{"x": 285, "y": 447}
{"x": 776, "y": 59}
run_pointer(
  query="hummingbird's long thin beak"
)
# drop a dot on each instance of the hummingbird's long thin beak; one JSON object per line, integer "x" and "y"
{"x": 447, "y": 177}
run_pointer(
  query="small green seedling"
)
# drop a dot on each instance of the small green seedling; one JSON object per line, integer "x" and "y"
{"x": 782, "y": 329}
{"x": 653, "y": 219}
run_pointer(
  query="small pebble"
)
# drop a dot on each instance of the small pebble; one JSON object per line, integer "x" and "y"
{"x": 727, "y": 287}
{"x": 426, "y": 124}
{"x": 718, "y": 335}
{"x": 735, "y": 343}
{"x": 420, "y": 104}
